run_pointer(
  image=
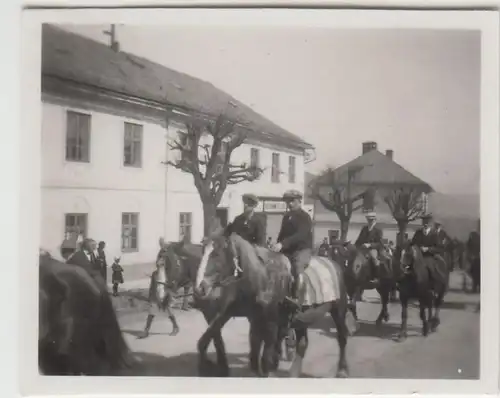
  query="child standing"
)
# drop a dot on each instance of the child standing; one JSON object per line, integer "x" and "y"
{"x": 117, "y": 276}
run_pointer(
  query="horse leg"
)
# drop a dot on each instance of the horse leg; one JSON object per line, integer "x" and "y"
{"x": 384, "y": 298}
{"x": 403, "y": 333}
{"x": 301, "y": 348}
{"x": 219, "y": 345}
{"x": 269, "y": 354}
{"x": 213, "y": 332}
{"x": 255, "y": 344}
{"x": 338, "y": 313}
{"x": 425, "y": 325}
{"x": 438, "y": 301}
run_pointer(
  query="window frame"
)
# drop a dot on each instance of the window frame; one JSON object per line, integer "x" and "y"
{"x": 275, "y": 169}
{"x": 255, "y": 161}
{"x": 77, "y": 137}
{"x": 292, "y": 169}
{"x": 133, "y": 141}
{"x": 76, "y": 216}
{"x": 125, "y": 226}
{"x": 184, "y": 224}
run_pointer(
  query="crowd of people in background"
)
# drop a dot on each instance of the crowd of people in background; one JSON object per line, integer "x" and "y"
{"x": 90, "y": 255}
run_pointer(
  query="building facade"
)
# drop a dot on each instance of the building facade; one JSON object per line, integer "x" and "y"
{"x": 105, "y": 143}
{"x": 377, "y": 173}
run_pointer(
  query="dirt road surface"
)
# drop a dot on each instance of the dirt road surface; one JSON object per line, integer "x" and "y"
{"x": 450, "y": 353}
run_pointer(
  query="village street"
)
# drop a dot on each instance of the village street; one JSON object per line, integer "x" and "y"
{"x": 451, "y": 353}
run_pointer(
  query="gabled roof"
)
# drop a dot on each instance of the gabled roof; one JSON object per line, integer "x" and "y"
{"x": 70, "y": 56}
{"x": 379, "y": 169}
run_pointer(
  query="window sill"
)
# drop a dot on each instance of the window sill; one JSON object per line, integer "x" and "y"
{"x": 78, "y": 161}
{"x": 130, "y": 250}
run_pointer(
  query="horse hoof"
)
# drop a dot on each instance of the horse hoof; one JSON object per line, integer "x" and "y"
{"x": 386, "y": 318}
{"x": 425, "y": 331}
{"x": 401, "y": 338}
{"x": 342, "y": 374}
{"x": 223, "y": 371}
{"x": 207, "y": 368}
{"x": 174, "y": 332}
{"x": 378, "y": 322}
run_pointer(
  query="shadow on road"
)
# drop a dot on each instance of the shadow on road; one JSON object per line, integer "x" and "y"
{"x": 186, "y": 365}
{"x": 386, "y": 331}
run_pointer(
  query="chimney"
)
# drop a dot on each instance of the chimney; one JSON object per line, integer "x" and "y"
{"x": 369, "y": 146}
{"x": 390, "y": 154}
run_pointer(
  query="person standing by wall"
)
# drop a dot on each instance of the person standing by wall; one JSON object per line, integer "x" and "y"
{"x": 101, "y": 261}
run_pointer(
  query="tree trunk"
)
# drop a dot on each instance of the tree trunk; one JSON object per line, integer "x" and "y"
{"x": 402, "y": 227}
{"x": 344, "y": 228}
{"x": 209, "y": 216}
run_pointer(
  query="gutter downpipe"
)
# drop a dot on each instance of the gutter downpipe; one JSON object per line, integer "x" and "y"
{"x": 165, "y": 199}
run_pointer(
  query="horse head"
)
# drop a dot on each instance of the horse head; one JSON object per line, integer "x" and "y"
{"x": 217, "y": 262}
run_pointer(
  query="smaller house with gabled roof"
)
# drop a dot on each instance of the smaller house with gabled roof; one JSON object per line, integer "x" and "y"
{"x": 373, "y": 169}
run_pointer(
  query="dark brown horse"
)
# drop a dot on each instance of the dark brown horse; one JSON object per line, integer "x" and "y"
{"x": 78, "y": 328}
{"x": 259, "y": 294}
{"x": 358, "y": 275}
{"x": 425, "y": 279}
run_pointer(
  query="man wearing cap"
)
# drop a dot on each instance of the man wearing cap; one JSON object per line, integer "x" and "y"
{"x": 295, "y": 240}
{"x": 247, "y": 224}
{"x": 443, "y": 240}
{"x": 371, "y": 238}
{"x": 426, "y": 238}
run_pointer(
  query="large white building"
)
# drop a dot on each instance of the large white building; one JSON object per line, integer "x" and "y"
{"x": 105, "y": 140}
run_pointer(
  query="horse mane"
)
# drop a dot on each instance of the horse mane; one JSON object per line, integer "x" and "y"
{"x": 269, "y": 281}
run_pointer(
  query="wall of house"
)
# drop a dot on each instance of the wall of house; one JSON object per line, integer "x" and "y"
{"x": 103, "y": 188}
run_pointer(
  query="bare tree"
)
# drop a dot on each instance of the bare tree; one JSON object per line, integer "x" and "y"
{"x": 337, "y": 195}
{"x": 210, "y": 163}
{"x": 406, "y": 205}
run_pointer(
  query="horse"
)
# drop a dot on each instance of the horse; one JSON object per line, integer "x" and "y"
{"x": 260, "y": 292}
{"x": 358, "y": 275}
{"x": 78, "y": 328}
{"x": 176, "y": 269}
{"x": 427, "y": 280}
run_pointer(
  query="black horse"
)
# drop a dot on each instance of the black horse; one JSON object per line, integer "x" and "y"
{"x": 358, "y": 277}
{"x": 78, "y": 329}
{"x": 426, "y": 279}
{"x": 259, "y": 294}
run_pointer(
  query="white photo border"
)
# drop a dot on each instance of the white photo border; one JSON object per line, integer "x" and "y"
{"x": 30, "y": 198}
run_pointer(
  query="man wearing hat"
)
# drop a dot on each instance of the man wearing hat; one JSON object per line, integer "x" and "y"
{"x": 443, "y": 240}
{"x": 426, "y": 237}
{"x": 247, "y": 224}
{"x": 295, "y": 239}
{"x": 371, "y": 238}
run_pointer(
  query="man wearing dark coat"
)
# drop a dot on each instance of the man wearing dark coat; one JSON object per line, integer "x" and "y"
{"x": 371, "y": 238}
{"x": 295, "y": 240}
{"x": 86, "y": 258}
{"x": 248, "y": 225}
{"x": 426, "y": 238}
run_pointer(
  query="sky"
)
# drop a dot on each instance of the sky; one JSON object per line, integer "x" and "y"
{"x": 416, "y": 92}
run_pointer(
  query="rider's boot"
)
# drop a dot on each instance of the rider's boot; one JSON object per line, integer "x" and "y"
{"x": 145, "y": 332}
{"x": 295, "y": 294}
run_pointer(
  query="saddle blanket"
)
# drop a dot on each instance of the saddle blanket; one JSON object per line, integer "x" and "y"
{"x": 322, "y": 281}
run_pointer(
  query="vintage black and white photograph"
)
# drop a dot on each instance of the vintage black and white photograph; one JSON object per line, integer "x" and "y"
{"x": 261, "y": 201}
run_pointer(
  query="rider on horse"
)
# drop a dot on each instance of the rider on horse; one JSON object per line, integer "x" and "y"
{"x": 247, "y": 224}
{"x": 370, "y": 238}
{"x": 295, "y": 240}
{"x": 426, "y": 239}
